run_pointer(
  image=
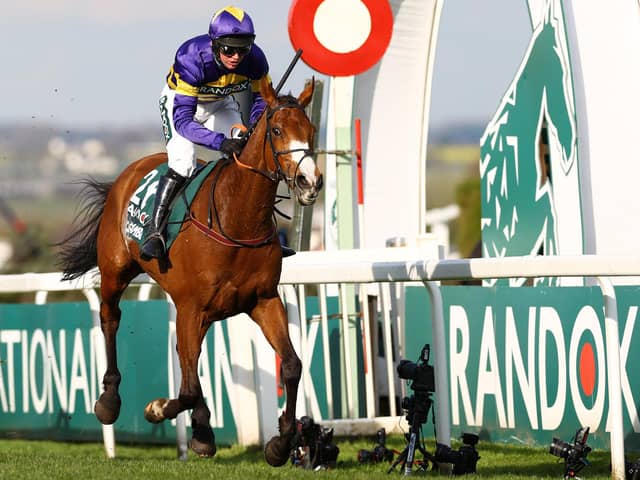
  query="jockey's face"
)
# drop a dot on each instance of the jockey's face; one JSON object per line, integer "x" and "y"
{"x": 231, "y": 57}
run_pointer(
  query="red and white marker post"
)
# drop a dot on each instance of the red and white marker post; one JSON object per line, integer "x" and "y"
{"x": 343, "y": 38}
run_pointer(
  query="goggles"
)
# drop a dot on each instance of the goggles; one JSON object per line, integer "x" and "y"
{"x": 229, "y": 51}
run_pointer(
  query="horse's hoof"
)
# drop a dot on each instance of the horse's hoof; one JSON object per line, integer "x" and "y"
{"x": 202, "y": 449}
{"x": 277, "y": 451}
{"x": 107, "y": 408}
{"x": 203, "y": 441}
{"x": 154, "y": 411}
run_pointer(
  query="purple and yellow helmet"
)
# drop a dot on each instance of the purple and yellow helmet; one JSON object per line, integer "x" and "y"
{"x": 232, "y": 26}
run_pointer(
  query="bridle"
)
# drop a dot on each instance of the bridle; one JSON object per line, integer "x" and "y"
{"x": 278, "y": 174}
{"x": 275, "y": 176}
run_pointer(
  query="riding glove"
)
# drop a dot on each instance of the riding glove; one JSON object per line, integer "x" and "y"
{"x": 230, "y": 146}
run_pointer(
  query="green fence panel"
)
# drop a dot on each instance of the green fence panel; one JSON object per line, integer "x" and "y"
{"x": 528, "y": 364}
{"x": 49, "y": 381}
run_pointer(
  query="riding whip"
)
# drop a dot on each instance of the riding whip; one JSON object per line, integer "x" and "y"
{"x": 288, "y": 71}
{"x": 245, "y": 136}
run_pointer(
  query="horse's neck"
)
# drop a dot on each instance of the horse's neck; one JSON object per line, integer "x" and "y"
{"x": 247, "y": 198}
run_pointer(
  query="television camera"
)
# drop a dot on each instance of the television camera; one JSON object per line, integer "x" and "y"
{"x": 313, "y": 446}
{"x": 379, "y": 453}
{"x": 574, "y": 454}
{"x": 417, "y": 406}
{"x": 464, "y": 460}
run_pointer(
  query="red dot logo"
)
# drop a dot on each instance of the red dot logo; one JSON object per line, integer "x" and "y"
{"x": 587, "y": 369}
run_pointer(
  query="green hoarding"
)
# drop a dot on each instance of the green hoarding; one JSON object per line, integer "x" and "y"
{"x": 49, "y": 381}
{"x": 524, "y": 365}
{"x": 528, "y": 364}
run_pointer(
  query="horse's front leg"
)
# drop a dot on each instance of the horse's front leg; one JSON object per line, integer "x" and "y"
{"x": 270, "y": 315}
{"x": 191, "y": 330}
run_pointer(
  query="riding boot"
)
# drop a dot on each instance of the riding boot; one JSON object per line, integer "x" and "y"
{"x": 154, "y": 245}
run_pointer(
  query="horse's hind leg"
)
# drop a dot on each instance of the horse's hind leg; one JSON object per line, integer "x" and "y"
{"x": 107, "y": 408}
{"x": 191, "y": 329}
{"x": 270, "y": 315}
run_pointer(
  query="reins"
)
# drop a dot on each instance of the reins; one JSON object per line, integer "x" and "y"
{"x": 274, "y": 176}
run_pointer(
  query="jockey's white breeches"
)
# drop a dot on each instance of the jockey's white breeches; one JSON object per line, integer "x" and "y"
{"x": 219, "y": 116}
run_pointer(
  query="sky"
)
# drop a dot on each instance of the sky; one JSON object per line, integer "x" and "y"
{"x": 91, "y": 63}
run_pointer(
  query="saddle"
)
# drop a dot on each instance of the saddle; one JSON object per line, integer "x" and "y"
{"x": 140, "y": 207}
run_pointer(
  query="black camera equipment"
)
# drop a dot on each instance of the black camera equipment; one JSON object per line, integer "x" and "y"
{"x": 464, "y": 459}
{"x": 380, "y": 452}
{"x": 313, "y": 447}
{"x": 574, "y": 454}
{"x": 417, "y": 407}
{"x": 632, "y": 470}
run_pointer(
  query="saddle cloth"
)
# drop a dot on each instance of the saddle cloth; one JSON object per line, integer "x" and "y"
{"x": 140, "y": 208}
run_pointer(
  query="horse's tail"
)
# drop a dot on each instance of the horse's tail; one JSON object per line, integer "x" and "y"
{"x": 78, "y": 250}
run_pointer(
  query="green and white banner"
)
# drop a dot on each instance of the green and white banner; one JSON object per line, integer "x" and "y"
{"x": 49, "y": 378}
{"x": 526, "y": 364}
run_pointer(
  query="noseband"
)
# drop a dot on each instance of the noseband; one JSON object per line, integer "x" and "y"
{"x": 279, "y": 173}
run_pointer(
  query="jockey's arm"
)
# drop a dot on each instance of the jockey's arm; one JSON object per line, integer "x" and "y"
{"x": 258, "y": 103}
{"x": 184, "y": 110}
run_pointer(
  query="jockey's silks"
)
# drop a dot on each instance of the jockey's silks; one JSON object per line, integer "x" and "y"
{"x": 197, "y": 77}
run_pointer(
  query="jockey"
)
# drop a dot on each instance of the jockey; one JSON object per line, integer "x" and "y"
{"x": 197, "y": 106}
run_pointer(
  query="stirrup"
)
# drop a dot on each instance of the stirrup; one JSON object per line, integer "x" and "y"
{"x": 153, "y": 247}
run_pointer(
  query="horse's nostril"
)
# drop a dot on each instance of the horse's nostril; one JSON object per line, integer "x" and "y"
{"x": 320, "y": 182}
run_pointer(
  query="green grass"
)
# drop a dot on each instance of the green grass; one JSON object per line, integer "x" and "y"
{"x": 21, "y": 459}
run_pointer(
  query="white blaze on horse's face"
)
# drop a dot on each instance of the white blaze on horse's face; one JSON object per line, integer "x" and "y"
{"x": 307, "y": 184}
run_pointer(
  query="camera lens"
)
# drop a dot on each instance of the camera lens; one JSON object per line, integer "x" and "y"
{"x": 407, "y": 370}
{"x": 446, "y": 454}
{"x": 559, "y": 448}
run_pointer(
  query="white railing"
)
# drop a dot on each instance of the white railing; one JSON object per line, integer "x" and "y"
{"x": 354, "y": 267}
{"x": 421, "y": 265}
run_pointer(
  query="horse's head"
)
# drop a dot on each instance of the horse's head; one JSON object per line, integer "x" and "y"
{"x": 289, "y": 136}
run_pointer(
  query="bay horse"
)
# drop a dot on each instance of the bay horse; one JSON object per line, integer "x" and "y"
{"x": 208, "y": 280}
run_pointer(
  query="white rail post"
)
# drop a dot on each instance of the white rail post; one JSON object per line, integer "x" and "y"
{"x": 181, "y": 420}
{"x": 368, "y": 355}
{"x": 385, "y": 306}
{"x": 613, "y": 374}
{"x": 443, "y": 417}
{"x": 344, "y": 307}
{"x": 108, "y": 435}
{"x": 304, "y": 356}
{"x": 326, "y": 354}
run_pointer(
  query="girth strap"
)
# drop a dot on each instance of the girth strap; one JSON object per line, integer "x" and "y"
{"x": 229, "y": 242}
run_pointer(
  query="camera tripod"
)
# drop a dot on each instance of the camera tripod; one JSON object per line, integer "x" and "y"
{"x": 406, "y": 457}
{"x": 415, "y": 417}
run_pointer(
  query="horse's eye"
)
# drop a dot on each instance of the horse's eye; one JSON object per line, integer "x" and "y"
{"x": 276, "y": 131}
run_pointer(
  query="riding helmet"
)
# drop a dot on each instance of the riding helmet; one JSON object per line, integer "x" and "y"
{"x": 232, "y": 26}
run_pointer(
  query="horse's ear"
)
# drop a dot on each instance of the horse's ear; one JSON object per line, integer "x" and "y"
{"x": 267, "y": 91}
{"x": 305, "y": 97}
